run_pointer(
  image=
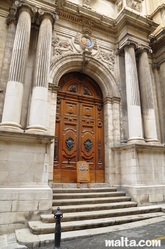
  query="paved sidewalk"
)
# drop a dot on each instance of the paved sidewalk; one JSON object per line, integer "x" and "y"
{"x": 122, "y": 235}
{"x": 122, "y": 239}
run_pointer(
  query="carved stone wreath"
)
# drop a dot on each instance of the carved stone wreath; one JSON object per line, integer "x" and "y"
{"x": 69, "y": 143}
{"x": 87, "y": 144}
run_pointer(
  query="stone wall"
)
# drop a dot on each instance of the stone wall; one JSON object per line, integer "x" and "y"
{"x": 139, "y": 169}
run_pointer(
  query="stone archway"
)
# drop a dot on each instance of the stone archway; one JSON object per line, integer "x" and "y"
{"x": 111, "y": 98}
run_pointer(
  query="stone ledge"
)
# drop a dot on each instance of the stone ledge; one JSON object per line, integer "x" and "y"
{"x": 12, "y": 136}
{"x": 139, "y": 146}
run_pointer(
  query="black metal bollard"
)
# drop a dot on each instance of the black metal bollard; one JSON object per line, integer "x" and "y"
{"x": 57, "y": 238}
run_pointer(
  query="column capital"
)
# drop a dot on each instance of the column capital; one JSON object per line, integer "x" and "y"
{"x": 142, "y": 48}
{"x": 46, "y": 14}
{"x": 127, "y": 43}
{"x": 12, "y": 15}
{"x": 26, "y": 7}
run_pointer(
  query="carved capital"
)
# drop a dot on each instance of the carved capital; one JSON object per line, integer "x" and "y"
{"x": 141, "y": 48}
{"x": 26, "y": 7}
{"x": 127, "y": 43}
{"x": 12, "y": 15}
{"x": 46, "y": 14}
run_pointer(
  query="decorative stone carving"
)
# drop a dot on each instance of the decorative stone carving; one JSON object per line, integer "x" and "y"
{"x": 134, "y": 4}
{"x": 84, "y": 41}
{"x": 107, "y": 58}
{"x": 119, "y": 5}
{"x": 86, "y": 4}
{"x": 12, "y": 14}
{"x": 61, "y": 46}
{"x": 86, "y": 59}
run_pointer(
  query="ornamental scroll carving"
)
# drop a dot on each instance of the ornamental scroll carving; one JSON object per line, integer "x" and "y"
{"x": 107, "y": 58}
{"x": 61, "y": 46}
{"x": 83, "y": 43}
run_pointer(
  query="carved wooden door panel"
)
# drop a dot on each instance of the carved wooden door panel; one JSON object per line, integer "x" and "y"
{"x": 79, "y": 128}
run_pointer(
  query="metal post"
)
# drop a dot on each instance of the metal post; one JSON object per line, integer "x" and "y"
{"x": 57, "y": 239}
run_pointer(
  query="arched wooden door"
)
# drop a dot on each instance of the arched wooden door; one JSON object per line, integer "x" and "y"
{"x": 79, "y": 134}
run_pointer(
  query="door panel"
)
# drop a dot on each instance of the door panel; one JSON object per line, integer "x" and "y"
{"x": 79, "y": 128}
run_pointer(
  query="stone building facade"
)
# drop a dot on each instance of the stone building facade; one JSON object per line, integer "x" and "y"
{"x": 111, "y": 47}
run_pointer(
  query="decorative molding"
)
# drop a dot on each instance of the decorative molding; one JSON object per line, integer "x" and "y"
{"x": 89, "y": 22}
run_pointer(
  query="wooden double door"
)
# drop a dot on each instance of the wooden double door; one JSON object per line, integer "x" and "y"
{"x": 79, "y": 134}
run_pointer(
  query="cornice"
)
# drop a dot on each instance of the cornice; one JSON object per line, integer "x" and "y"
{"x": 45, "y": 5}
{"x": 136, "y": 20}
{"x": 158, "y": 41}
{"x": 158, "y": 9}
{"x": 94, "y": 20}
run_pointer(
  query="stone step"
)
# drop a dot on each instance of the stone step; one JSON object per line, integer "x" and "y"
{"x": 38, "y": 227}
{"x": 101, "y": 214}
{"x": 93, "y": 207}
{"x": 25, "y": 237}
{"x": 83, "y": 190}
{"x": 82, "y": 185}
{"x": 87, "y": 195}
{"x": 64, "y": 202}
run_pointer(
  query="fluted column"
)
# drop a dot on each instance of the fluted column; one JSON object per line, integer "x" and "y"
{"x": 11, "y": 22}
{"x": 133, "y": 96}
{"x": 38, "y": 107}
{"x": 148, "y": 113}
{"x": 14, "y": 91}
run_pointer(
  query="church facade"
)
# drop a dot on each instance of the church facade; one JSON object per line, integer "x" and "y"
{"x": 80, "y": 80}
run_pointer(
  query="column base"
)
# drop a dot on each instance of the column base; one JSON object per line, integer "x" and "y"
{"x": 133, "y": 140}
{"x": 11, "y": 126}
{"x": 36, "y": 129}
{"x": 152, "y": 141}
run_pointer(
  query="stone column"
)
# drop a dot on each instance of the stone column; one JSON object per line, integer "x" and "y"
{"x": 14, "y": 91}
{"x": 38, "y": 107}
{"x": 133, "y": 96}
{"x": 149, "y": 121}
